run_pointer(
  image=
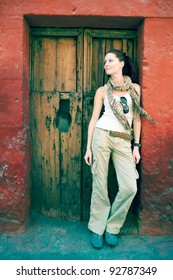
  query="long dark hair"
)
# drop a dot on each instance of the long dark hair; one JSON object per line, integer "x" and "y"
{"x": 128, "y": 68}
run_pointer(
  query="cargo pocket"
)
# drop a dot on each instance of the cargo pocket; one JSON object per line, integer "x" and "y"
{"x": 94, "y": 167}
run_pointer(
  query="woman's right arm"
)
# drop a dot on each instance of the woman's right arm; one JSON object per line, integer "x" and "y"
{"x": 98, "y": 102}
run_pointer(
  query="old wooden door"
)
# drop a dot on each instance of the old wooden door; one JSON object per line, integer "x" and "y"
{"x": 66, "y": 69}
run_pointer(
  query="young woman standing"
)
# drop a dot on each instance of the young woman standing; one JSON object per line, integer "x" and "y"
{"x": 111, "y": 135}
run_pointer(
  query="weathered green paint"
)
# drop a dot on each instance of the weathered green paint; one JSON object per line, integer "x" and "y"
{"x": 48, "y": 122}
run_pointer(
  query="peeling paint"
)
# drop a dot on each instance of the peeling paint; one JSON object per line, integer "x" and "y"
{"x": 4, "y": 169}
{"x": 17, "y": 142}
{"x": 78, "y": 115}
{"x": 48, "y": 121}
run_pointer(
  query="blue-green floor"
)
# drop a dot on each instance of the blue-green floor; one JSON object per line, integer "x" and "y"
{"x": 52, "y": 239}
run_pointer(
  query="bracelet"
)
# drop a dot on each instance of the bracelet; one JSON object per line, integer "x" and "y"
{"x": 137, "y": 145}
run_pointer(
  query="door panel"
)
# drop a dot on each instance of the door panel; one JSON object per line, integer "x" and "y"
{"x": 56, "y": 114}
{"x": 66, "y": 70}
{"x": 96, "y": 44}
{"x": 44, "y": 64}
{"x": 45, "y": 196}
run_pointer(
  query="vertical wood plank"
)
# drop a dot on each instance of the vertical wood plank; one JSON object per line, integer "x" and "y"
{"x": 50, "y": 156}
{"x": 44, "y": 64}
{"x": 87, "y": 178}
{"x": 66, "y": 64}
{"x": 87, "y": 61}
{"x": 80, "y": 62}
{"x": 71, "y": 163}
{"x": 98, "y": 53}
{"x": 124, "y": 46}
{"x": 55, "y": 156}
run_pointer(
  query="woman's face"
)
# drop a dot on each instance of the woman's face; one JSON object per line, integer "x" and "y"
{"x": 112, "y": 65}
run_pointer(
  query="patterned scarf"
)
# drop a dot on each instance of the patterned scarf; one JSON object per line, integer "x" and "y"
{"x": 116, "y": 105}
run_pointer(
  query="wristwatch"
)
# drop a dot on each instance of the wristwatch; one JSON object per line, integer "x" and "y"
{"x": 136, "y": 144}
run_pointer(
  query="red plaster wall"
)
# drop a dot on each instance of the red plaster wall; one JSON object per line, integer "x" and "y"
{"x": 155, "y": 56}
{"x": 157, "y": 140}
{"x": 144, "y": 8}
{"x": 14, "y": 125}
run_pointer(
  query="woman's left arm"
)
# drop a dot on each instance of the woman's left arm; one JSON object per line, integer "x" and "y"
{"x": 137, "y": 130}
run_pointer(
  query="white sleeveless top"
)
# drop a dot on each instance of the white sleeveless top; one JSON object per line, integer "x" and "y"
{"x": 109, "y": 121}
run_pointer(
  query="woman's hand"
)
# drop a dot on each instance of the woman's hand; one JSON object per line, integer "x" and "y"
{"x": 88, "y": 157}
{"x": 136, "y": 155}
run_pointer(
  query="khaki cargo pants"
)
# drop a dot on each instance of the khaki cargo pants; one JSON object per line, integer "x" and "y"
{"x": 103, "y": 216}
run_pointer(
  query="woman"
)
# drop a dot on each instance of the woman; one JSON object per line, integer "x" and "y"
{"x": 111, "y": 135}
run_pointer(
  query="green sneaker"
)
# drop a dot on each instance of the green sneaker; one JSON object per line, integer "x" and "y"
{"x": 96, "y": 240}
{"x": 111, "y": 239}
